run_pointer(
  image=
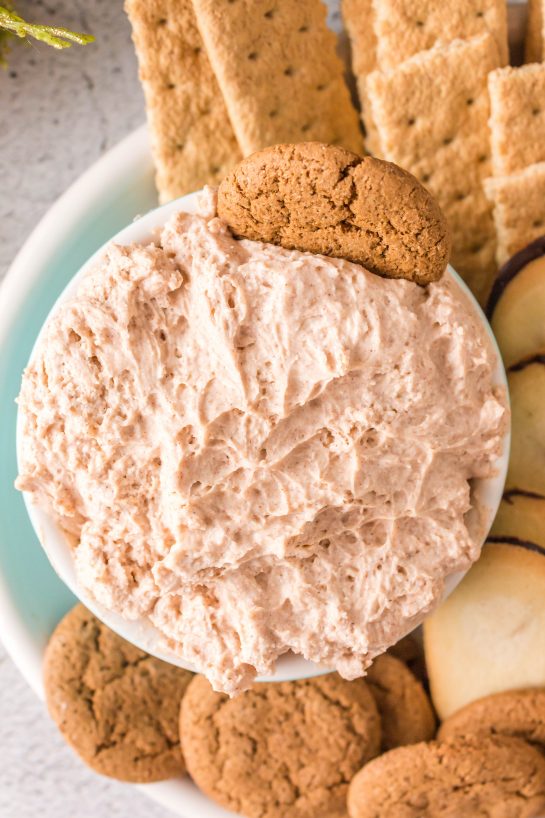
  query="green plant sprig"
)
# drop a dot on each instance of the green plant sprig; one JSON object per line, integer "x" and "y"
{"x": 55, "y": 36}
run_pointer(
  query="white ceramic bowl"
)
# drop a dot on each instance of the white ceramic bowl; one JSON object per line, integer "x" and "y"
{"x": 142, "y": 632}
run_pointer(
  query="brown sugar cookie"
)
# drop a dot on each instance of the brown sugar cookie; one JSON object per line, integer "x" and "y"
{"x": 472, "y": 777}
{"x": 323, "y": 199}
{"x": 115, "y": 705}
{"x": 519, "y": 713}
{"x": 284, "y": 750}
{"x": 406, "y": 713}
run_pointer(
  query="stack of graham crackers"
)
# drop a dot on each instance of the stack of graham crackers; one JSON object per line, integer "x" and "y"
{"x": 437, "y": 101}
{"x": 224, "y": 78}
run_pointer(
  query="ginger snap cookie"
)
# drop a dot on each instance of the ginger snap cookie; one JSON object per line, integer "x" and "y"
{"x": 405, "y": 710}
{"x": 519, "y": 713}
{"x": 411, "y": 652}
{"x": 284, "y": 750}
{"x": 324, "y": 199}
{"x": 471, "y": 777}
{"x": 115, "y": 705}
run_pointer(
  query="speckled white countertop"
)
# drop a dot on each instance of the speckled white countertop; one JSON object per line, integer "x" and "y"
{"x": 59, "y": 111}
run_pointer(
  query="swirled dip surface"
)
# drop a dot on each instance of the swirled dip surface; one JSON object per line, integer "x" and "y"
{"x": 260, "y": 449}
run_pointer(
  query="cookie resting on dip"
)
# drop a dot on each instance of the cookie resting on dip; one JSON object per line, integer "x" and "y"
{"x": 261, "y": 449}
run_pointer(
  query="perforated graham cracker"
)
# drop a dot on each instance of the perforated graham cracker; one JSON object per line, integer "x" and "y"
{"x": 358, "y": 17}
{"x": 519, "y": 208}
{"x": 534, "y": 48}
{"x": 517, "y": 117}
{"x": 192, "y": 139}
{"x": 279, "y": 73}
{"x": 431, "y": 115}
{"x": 406, "y": 27}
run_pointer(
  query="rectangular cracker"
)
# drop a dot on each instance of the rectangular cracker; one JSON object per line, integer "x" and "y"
{"x": 406, "y": 27}
{"x": 193, "y": 142}
{"x": 431, "y": 114}
{"x": 517, "y": 117}
{"x": 358, "y": 18}
{"x": 534, "y": 50}
{"x": 277, "y": 67}
{"x": 519, "y": 208}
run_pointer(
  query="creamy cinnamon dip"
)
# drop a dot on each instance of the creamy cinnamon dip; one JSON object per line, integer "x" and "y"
{"x": 261, "y": 449}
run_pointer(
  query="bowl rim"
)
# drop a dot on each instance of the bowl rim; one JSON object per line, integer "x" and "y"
{"x": 141, "y": 632}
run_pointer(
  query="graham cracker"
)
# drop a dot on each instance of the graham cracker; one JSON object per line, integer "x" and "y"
{"x": 406, "y": 27}
{"x": 192, "y": 139}
{"x": 517, "y": 117}
{"x": 431, "y": 115}
{"x": 277, "y": 67}
{"x": 534, "y": 46}
{"x": 358, "y": 18}
{"x": 519, "y": 208}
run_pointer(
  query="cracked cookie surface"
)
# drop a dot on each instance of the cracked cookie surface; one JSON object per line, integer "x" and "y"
{"x": 115, "y": 705}
{"x": 473, "y": 777}
{"x": 518, "y": 713}
{"x": 324, "y": 199}
{"x": 280, "y": 750}
{"x": 405, "y": 710}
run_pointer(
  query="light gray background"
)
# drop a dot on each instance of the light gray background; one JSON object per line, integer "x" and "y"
{"x": 59, "y": 111}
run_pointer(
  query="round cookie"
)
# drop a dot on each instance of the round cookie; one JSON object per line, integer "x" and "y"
{"x": 115, "y": 705}
{"x": 280, "y": 750}
{"x": 405, "y": 710}
{"x": 473, "y": 777}
{"x": 519, "y": 713}
{"x": 411, "y": 651}
{"x": 324, "y": 199}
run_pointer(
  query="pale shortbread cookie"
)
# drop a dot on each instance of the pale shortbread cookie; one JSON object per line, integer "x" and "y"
{"x": 488, "y": 636}
{"x": 279, "y": 73}
{"x": 517, "y": 117}
{"x": 192, "y": 140}
{"x": 521, "y": 516}
{"x": 406, "y": 27}
{"x": 358, "y": 18}
{"x": 431, "y": 115}
{"x": 534, "y": 46}
{"x": 519, "y": 208}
